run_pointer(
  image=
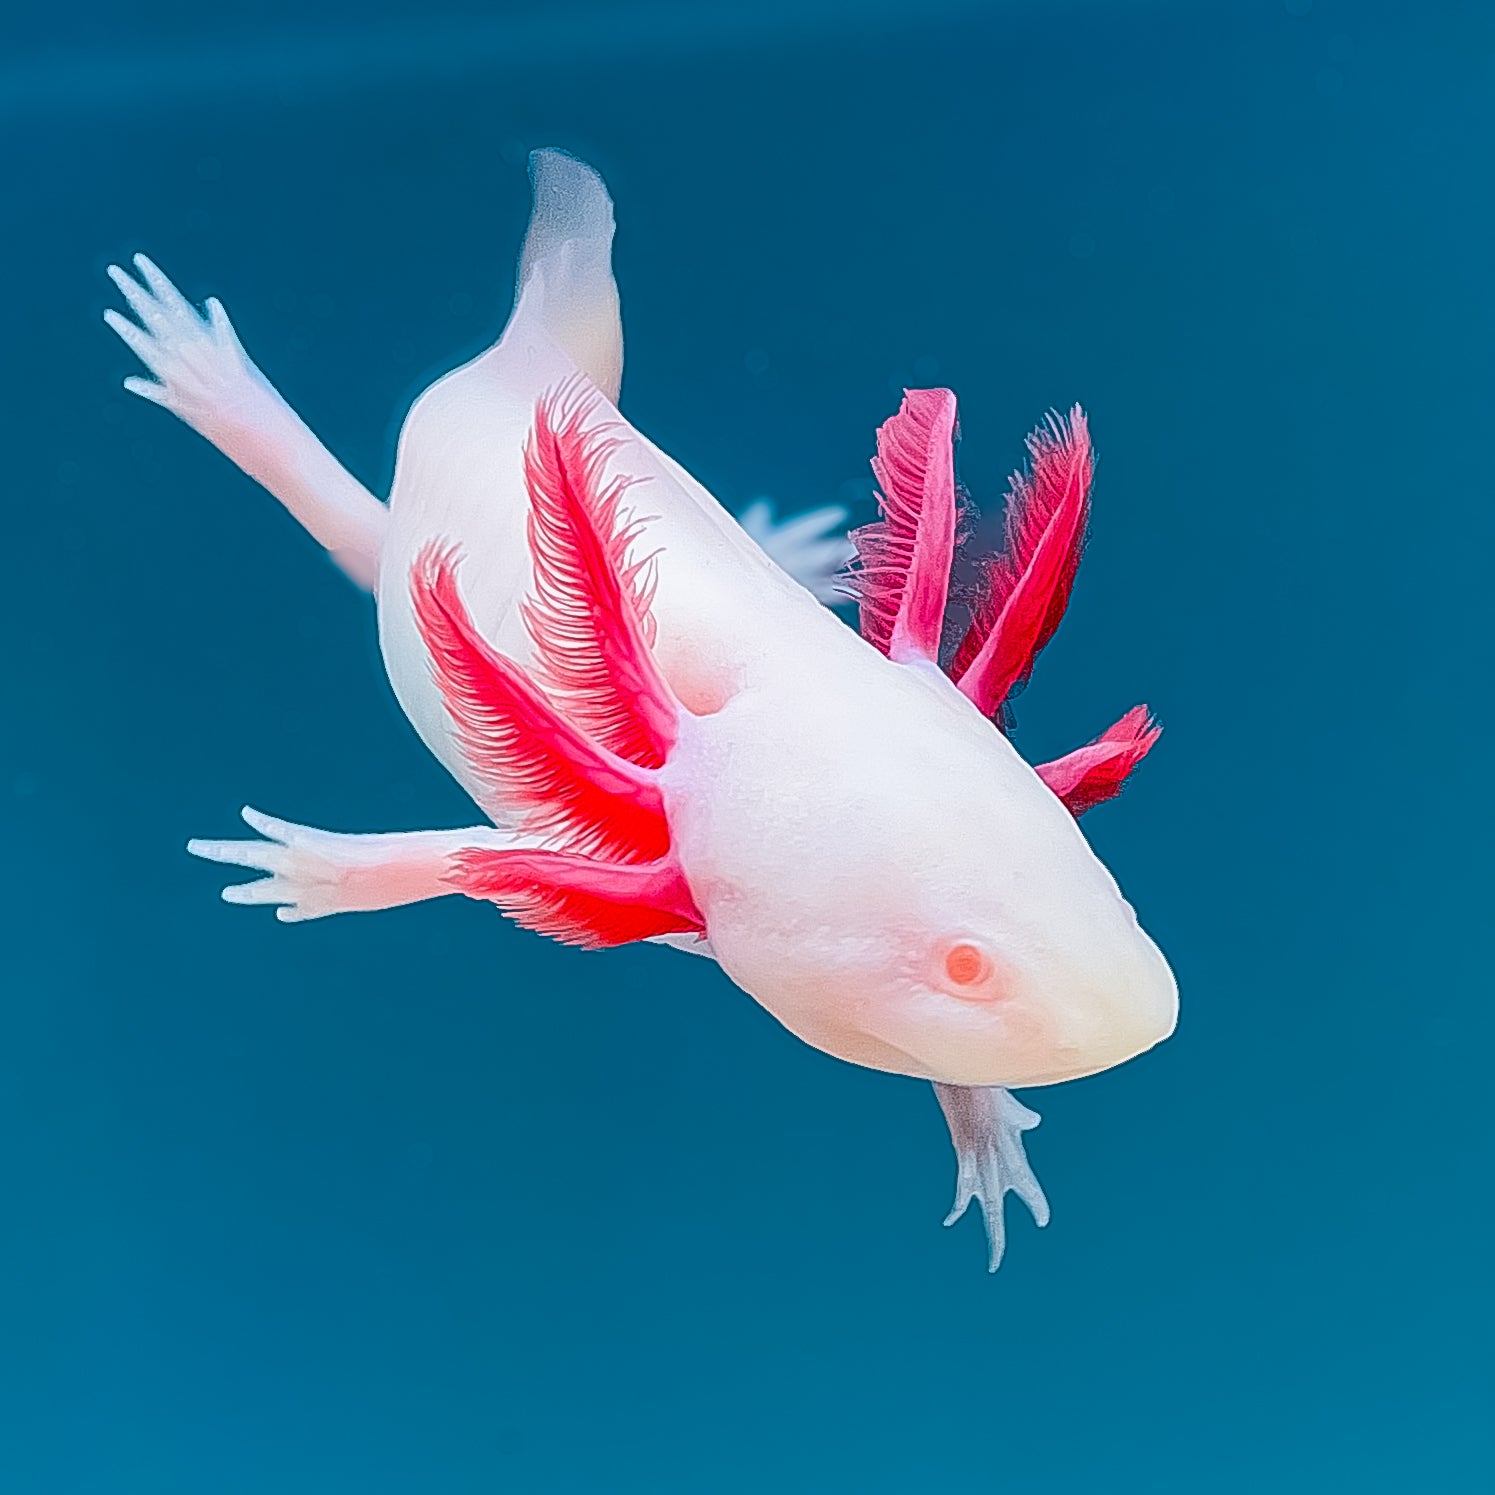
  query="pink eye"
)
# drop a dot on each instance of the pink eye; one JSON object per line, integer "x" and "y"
{"x": 967, "y": 965}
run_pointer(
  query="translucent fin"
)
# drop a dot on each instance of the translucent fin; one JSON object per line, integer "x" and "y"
{"x": 565, "y": 268}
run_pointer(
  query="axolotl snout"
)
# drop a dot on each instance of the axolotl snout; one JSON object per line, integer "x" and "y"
{"x": 672, "y": 737}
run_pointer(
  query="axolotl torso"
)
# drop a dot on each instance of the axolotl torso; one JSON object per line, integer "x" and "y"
{"x": 673, "y": 738}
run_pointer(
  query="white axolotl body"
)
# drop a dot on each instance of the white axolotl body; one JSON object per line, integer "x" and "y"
{"x": 835, "y": 820}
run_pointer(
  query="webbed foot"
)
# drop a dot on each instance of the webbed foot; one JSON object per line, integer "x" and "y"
{"x": 987, "y": 1125}
{"x": 812, "y": 547}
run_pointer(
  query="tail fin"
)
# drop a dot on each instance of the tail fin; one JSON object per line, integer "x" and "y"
{"x": 565, "y": 268}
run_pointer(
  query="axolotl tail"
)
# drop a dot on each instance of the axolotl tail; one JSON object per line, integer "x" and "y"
{"x": 565, "y": 275}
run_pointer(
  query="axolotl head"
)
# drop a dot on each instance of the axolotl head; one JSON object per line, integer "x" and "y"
{"x": 862, "y": 847}
{"x": 938, "y": 910}
{"x": 929, "y": 905}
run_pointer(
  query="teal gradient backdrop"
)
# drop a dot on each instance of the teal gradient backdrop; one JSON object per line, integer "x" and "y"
{"x": 417, "y": 1203}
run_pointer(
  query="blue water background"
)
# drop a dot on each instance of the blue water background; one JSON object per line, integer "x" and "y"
{"x": 418, "y": 1203}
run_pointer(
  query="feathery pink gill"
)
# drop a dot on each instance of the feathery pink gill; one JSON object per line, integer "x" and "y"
{"x": 574, "y": 745}
{"x": 901, "y": 574}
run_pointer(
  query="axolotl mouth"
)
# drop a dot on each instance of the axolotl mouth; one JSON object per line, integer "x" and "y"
{"x": 1014, "y": 1031}
{"x": 1015, "y": 1047}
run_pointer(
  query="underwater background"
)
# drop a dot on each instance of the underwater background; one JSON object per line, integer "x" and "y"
{"x": 416, "y": 1202}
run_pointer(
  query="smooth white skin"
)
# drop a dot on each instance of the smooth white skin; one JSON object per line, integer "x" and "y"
{"x": 843, "y": 821}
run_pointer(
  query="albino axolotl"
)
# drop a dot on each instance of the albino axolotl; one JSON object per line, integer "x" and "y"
{"x": 671, "y": 737}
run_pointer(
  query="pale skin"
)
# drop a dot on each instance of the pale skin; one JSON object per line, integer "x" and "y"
{"x": 738, "y": 640}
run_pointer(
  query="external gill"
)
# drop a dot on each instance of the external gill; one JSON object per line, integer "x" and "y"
{"x": 574, "y": 745}
{"x": 901, "y": 574}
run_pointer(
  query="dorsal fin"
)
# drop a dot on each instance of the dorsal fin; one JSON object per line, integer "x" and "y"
{"x": 901, "y": 574}
{"x": 589, "y": 615}
{"x": 1026, "y": 589}
{"x": 534, "y": 759}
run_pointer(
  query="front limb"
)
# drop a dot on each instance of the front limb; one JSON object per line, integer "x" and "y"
{"x": 577, "y": 899}
{"x": 204, "y": 377}
{"x": 987, "y": 1125}
{"x": 314, "y": 873}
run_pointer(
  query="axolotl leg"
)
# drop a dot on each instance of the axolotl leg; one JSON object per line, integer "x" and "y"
{"x": 204, "y": 377}
{"x": 315, "y": 873}
{"x": 987, "y": 1125}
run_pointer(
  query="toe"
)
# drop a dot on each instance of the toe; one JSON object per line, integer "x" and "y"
{"x": 135, "y": 338}
{"x": 268, "y": 825}
{"x": 265, "y": 890}
{"x": 171, "y": 301}
{"x": 147, "y": 389}
{"x": 263, "y": 856}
